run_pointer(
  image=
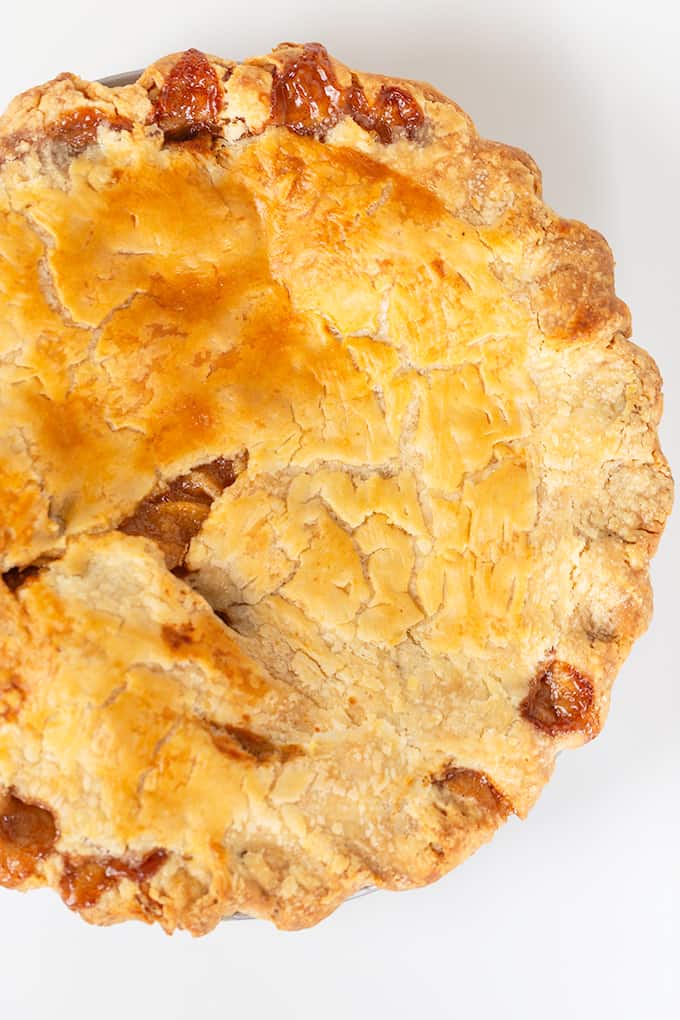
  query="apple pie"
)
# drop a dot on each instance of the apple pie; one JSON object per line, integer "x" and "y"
{"x": 329, "y": 481}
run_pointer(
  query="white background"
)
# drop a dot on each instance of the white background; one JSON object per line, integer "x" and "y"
{"x": 575, "y": 911}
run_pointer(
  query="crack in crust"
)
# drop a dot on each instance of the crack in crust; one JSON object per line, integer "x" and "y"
{"x": 237, "y": 674}
{"x": 470, "y": 792}
{"x": 174, "y": 515}
{"x": 84, "y": 880}
{"x": 27, "y": 835}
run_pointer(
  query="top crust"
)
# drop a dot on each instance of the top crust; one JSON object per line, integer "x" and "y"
{"x": 329, "y": 482}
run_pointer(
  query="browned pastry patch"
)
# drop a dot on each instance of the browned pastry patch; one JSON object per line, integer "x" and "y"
{"x": 16, "y": 576}
{"x": 238, "y": 742}
{"x": 12, "y": 696}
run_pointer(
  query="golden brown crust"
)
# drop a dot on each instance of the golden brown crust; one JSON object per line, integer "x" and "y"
{"x": 329, "y": 482}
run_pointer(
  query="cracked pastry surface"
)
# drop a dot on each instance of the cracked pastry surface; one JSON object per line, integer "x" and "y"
{"x": 329, "y": 480}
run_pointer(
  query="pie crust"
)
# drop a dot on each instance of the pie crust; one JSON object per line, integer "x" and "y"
{"x": 329, "y": 481}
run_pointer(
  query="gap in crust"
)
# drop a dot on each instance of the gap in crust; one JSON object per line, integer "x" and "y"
{"x": 329, "y": 482}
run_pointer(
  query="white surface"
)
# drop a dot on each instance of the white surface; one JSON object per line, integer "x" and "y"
{"x": 575, "y": 911}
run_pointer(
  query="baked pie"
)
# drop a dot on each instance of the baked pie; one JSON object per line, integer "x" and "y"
{"x": 329, "y": 481}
